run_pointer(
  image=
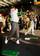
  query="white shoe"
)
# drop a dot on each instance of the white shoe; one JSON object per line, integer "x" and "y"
{"x": 2, "y": 32}
{"x": 27, "y": 38}
{"x": 26, "y": 33}
{"x": 6, "y": 40}
{"x": 17, "y": 42}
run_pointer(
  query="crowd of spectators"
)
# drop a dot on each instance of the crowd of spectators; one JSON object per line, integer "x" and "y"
{"x": 24, "y": 21}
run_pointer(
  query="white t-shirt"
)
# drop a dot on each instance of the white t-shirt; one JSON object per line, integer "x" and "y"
{"x": 14, "y": 16}
{"x": 0, "y": 18}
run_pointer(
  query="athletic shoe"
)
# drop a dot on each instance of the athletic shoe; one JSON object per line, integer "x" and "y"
{"x": 17, "y": 42}
{"x": 6, "y": 40}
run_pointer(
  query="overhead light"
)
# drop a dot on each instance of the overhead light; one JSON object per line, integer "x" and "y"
{"x": 3, "y": 3}
{"x": 35, "y": 0}
{"x": 13, "y": 1}
{"x": 7, "y": 1}
{"x": 18, "y": 0}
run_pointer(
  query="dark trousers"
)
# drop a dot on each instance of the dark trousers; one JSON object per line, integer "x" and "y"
{"x": 14, "y": 29}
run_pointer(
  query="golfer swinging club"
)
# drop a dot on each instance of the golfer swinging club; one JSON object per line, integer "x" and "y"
{"x": 14, "y": 24}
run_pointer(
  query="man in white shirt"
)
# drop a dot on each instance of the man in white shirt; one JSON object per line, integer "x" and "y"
{"x": 14, "y": 23}
{"x": 0, "y": 22}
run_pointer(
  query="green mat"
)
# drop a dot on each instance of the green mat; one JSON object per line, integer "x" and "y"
{"x": 10, "y": 52}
